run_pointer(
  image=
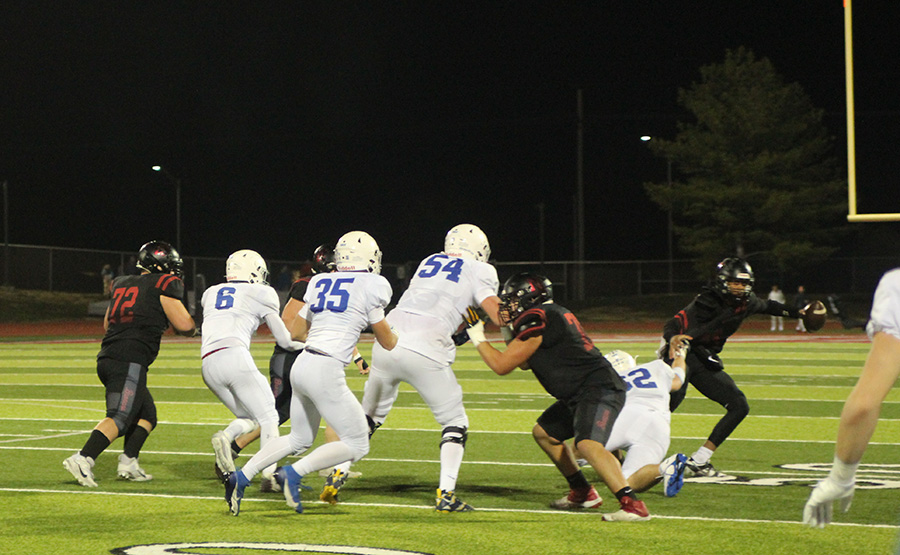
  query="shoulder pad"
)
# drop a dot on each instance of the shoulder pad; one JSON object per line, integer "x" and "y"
{"x": 530, "y": 323}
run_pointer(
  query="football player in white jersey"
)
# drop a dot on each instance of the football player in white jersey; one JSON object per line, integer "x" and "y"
{"x": 644, "y": 425}
{"x": 430, "y": 311}
{"x": 338, "y": 307}
{"x": 232, "y": 311}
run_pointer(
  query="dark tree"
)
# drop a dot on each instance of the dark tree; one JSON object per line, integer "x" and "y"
{"x": 757, "y": 173}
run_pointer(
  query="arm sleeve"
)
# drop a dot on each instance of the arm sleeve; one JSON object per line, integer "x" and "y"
{"x": 530, "y": 323}
{"x": 381, "y": 299}
{"x": 487, "y": 283}
{"x": 170, "y": 286}
{"x": 773, "y": 308}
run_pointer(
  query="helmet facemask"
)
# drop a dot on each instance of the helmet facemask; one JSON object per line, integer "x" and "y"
{"x": 522, "y": 292}
{"x": 734, "y": 278}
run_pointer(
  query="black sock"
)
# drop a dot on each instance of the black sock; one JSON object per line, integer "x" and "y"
{"x": 134, "y": 441}
{"x": 626, "y": 492}
{"x": 234, "y": 446}
{"x": 95, "y": 445}
{"x": 578, "y": 482}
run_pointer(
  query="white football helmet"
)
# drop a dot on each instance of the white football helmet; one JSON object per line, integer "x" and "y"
{"x": 467, "y": 241}
{"x": 356, "y": 251}
{"x": 621, "y": 361}
{"x": 246, "y": 265}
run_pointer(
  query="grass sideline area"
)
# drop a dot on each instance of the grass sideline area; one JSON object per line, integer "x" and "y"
{"x": 796, "y": 385}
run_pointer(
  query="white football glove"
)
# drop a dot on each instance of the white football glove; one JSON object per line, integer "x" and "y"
{"x": 818, "y": 510}
{"x": 476, "y": 334}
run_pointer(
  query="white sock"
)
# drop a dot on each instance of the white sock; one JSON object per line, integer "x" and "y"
{"x": 451, "y": 459}
{"x": 239, "y": 427}
{"x": 324, "y": 456}
{"x": 343, "y": 467}
{"x": 274, "y": 451}
{"x": 702, "y": 455}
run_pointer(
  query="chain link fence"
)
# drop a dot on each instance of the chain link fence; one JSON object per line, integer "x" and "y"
{"x": 79, "y": 271}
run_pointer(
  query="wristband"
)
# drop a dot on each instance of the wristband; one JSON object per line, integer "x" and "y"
{"x": 843, "y": 473}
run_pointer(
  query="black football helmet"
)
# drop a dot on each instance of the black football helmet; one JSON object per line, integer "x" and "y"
{"x": 323, "y": 260}
{"x": 521, "y": 292}
{"x": 159, "y": 257}
{"x": 734, "y": 277}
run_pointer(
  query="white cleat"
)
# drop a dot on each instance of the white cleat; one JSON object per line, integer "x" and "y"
{"x": 130, "y": 470}
{"x": 82, "y": 469}
{"x": 222, "y": 447}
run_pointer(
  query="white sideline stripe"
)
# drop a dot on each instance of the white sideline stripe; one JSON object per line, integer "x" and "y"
{"x": 432, "y": 430}
{"x": 417, "y": 407}
{"x": 219, "y": 499}
{"x": 414, "y": 406}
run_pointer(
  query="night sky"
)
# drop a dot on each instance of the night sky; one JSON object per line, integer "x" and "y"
{"x": 290, "y": 123}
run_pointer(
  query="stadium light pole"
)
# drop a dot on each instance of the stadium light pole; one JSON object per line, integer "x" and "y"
{"x": 177, "y": 183}
{"x": 647, "y": 139}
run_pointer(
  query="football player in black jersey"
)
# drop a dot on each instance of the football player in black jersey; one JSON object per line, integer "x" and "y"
{"x": 710, "y": 319}
{"x": 549, "y": 340}
{"x": 140, "y": 311}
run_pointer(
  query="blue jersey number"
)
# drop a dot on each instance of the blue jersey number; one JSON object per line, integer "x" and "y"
{"x": 641, "y": 379}
{"x": 332, "y": 295}
{"x": 435, "y": 264}
{"x": 225, "y": 298}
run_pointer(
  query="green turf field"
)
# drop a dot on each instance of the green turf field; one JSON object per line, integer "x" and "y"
{"x": 51, "y": 398}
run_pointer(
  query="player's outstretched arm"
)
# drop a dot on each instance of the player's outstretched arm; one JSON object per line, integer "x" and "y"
{"x": 178, "y": 316}
{"x": 491, "y": 307}
{"x": 300, "y": 326}
{"x": 516, "y": 354}
{"x": 280, "y": 333}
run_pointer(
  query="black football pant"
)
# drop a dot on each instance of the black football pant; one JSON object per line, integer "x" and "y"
{"x": 280, "y": 381}
{"x": 718, "y": 386}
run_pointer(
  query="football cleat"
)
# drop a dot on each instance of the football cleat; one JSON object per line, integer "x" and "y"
{"x": 673, "y": 474}
{"x": 703, "y": 470}
{"x": 631, "y": 510}
{"x": 81, "y": 468}
{"x": 291, "y": 483}
{"x": 333, "y": 484}
{"x": 326, "y": 472}
{"x": 130, "y": 470}
{"x": 234, "y": 491}
{"x": 224, "y": 456}
{"x": 578, "y": 500}
{"x": 448, "y": 502}
{"x": 269, "y": 484}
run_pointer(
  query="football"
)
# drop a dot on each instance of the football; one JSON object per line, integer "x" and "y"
{"x": 815, "y": 317}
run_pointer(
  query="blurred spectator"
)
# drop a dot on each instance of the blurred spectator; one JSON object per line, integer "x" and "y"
{"x": 107, "y": 275}
{"x": 283, "y": 280}
{"x": 800, "y": 302}
{"x": 777, "y": 295}
{"x": 130, "y": 268}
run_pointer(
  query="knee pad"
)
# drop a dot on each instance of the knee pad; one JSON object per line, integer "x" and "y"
{"x": 454, "y": 434}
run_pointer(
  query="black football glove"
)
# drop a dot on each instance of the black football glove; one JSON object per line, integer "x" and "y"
{"x": 460, "y": 338}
